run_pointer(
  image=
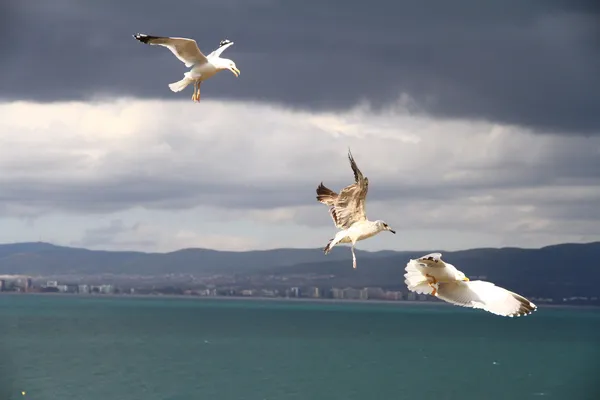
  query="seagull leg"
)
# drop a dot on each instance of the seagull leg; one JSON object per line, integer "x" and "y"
{"x": 194, "y": 94}
{"x": 432, "y": 281}
{"x": 198, "y": 96}
{"x": 353, "y": 257}
{"x": 434, "y": 290}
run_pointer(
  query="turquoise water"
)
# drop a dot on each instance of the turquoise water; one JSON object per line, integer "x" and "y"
{"x": 68, "y": 347}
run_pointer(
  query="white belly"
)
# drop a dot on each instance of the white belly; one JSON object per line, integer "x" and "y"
{"x": 362, "y": 232}
{"x": 202, "y": 72}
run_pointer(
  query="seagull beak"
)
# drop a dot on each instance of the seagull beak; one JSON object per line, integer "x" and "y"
{"x": 393, "y": 231}
{"x": 465, "y": 279}
{"x": 235, "y": 71}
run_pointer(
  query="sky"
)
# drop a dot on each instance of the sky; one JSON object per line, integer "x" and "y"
{"x": 477, "y": 123}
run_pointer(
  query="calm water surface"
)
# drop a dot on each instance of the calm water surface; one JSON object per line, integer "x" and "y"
{"x": 92, "y": 348}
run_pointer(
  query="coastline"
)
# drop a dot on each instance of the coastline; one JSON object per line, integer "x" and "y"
{"x": 276, "y": 299}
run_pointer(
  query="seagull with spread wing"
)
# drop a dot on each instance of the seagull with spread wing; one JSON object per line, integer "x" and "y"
{"x": 431, "y": 275}
{"x": 187, "y": 51}
{"x": 347, "y": 209}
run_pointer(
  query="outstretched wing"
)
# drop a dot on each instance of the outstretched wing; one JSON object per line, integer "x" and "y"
{"x": 186, "y": 50}
{"x": 222, "y": 46}
{"x": 348, "y": 206}
{"x": 486, "y": 296}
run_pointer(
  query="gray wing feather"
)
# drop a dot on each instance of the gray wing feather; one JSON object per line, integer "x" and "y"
{"x": 222, "y": 47}
{"x": 186, "y": 50}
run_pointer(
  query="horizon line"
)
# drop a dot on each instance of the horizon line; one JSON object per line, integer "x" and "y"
{"x": 301, "y": 248}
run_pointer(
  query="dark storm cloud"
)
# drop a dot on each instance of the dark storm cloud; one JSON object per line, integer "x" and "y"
{"x": 532, "y": 63}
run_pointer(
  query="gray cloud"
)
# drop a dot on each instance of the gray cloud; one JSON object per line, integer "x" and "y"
{"x": 533, "y": 64}
{"x": 425, "y": 174}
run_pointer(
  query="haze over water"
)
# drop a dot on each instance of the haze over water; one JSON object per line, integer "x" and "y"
{"x": 68, "y": 347}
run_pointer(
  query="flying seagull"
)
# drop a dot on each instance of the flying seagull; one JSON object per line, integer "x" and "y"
{"x": 347, "y": 209}
{"x": 431, "y": 275}
{"x": 187, "y": 51}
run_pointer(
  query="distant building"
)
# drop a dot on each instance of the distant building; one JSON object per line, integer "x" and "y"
{"x": 351, "y": 293}
{"x": 313, "y": 292}
{"x": 363, "y": 294}
{"x": 107, "y": 289}
{"x": 393, "y": 295}
{"x": 375, "y": 293}
{"x": 2, "y": 285}
{"x": 83, "y": 289}
{"x": 71, "y": 288}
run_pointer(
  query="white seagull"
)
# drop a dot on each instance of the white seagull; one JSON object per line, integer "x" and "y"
{"x": 431, "y": 275}
{"x": 186, "y": 50}
{"x": 347, "y": 209}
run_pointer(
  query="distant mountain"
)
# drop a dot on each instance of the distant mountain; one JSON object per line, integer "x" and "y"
{"x": 555, "y": 271}
{"x": 558, "y": 271}
{"x": 47, "y": 259}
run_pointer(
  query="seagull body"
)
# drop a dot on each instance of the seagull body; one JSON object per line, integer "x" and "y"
{"x": 187, "y": 51}
{"x": 431, "y": 275}
{"x": 347, "y": 209}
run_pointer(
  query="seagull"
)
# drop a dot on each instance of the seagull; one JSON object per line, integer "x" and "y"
{"x": 347, "y": 209}
{"x": 187, "y": 51}
{"x": 431, "y": 275}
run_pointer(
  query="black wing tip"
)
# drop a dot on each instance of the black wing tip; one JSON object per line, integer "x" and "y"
{"x": 351, "y": 157}
{"x": 327, "y": 248}
{"x": 323, "y": 192}
{"x": 141, "y": 37}
{"x": 526, "y": 308}
{"x": 224, "y": 42}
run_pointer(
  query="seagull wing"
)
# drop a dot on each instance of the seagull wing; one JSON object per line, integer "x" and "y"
{"x": 486, "y": 296}
{"x": 186, "y": 50}
{"x": 348, "y": 206}
{"x": 222, "y": 46}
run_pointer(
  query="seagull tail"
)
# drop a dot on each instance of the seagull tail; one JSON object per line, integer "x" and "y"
{"x": 415, "y": 280}
{"x": 180, "y": 85}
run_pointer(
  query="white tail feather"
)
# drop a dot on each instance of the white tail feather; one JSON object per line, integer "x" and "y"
{"x": 180, "y": 85}
{"x": 415, "y": 280}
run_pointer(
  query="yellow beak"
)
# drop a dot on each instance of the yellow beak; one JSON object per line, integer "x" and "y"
{"x": 466, "y": 279}
{"x": 235, "y": 71}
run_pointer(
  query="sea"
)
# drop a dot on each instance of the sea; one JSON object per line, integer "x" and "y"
{"x": 58, "y": 347}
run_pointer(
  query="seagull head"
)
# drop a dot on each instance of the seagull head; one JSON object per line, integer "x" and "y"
{"x": 225, "y": 63}
{"x": 384, "y": 227}
{"x": 461, "y": 276}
